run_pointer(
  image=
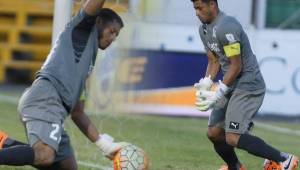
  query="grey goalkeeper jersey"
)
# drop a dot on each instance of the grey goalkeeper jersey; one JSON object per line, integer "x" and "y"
{"x": 72, "y": 58}
{"x": 225, "y": 34}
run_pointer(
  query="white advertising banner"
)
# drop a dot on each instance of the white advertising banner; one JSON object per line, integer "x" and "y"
{"x": 278, "y": 55}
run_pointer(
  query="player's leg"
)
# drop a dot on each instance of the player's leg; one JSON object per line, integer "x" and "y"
{"x": 41, "y": 110}
{"x": 17, "y": 155}
{"x": 216, "y": 134}
{"x": 66, "y": 164}
{"x": 225, "y": 151}
{"x": 44, "y": 154}
{"x": 43, "y": 137}
{"x": 65, "y": 158}
{"x": 6, "y": 141}
{"x": 241, "y": 108}
{"x": 11, "y": 151}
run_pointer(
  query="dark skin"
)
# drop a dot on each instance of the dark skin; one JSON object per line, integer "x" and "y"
{"x": 108, "y": 34}
{"x": 83, "y": 122}
{"x": 44, "y": 154}
{"x": 111, "y": 30}
{"x": 207, "y": 13}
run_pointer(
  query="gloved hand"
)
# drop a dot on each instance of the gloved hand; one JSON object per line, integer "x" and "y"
{"x": 107, "y": 145}
{"x": 206, "y": 99}
{"x": 204, "y": 83}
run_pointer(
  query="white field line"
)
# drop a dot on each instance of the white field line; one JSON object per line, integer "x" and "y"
{"x": 277, "y": 129}
{"x": 9, "y": 99}
{"x": 94, "y": 166}
{"x": 14, "y": 100}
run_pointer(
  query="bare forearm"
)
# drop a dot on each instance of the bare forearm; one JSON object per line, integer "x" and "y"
{"x": 213, "y": 65}
{"x": 231, "y": 74}
{"x": 212, "y": 69}
{"x": 86, "y": 126}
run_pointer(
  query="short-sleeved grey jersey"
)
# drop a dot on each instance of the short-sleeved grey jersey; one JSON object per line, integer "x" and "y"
{"x": 226, "y": 30}
{"x": 72, "y": 58}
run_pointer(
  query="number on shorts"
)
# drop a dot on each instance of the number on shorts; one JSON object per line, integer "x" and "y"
{"x": 54, "y": 131}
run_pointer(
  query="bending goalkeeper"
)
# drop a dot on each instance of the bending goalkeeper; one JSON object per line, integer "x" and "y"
{"x": 56, "y": 93}
{"x": 239, "y": 94}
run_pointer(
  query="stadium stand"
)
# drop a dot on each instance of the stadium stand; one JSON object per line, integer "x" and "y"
{"x": 25, "y": 29}
{"x": 25, "y": 34}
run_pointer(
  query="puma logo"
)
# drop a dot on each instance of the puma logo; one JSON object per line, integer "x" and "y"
{"x": 234, "y": 125}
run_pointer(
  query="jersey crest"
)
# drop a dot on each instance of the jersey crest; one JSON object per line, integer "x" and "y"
{"x": 230, "y": 38}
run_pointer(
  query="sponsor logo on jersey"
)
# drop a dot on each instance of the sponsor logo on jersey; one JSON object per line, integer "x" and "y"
{"x": 213, "y": 47}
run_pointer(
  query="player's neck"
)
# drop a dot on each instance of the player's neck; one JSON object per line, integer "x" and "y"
{"x": 215, "y": 16}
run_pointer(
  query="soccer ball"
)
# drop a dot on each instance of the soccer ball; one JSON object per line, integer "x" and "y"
{"x": 131, "y": 157}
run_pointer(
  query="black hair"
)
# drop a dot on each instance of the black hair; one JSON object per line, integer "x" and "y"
{"x": 206, "y": 1}
{"x": 108, "y": 15}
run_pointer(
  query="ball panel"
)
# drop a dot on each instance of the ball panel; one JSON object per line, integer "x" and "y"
{"x": 131, "y": 157}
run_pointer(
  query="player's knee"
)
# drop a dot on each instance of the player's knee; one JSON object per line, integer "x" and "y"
{"x": 215, "y": 134}
{"x": 70, "y": 167}
{"x": 44, "y": 154}
{"x": 232, "y": 139}
{"x": 68, "y": 164}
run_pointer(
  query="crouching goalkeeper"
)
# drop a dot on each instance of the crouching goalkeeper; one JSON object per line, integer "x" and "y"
{"x": 56, "y": 91}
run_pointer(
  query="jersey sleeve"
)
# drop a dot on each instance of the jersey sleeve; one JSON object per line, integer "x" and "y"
{"x": 81, "y": 31}
{"x": 83, "y": 21}
{"x": 229, "y": 37}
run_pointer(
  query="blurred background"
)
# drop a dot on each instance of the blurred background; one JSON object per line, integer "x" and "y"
{"x": 141, "y": 90}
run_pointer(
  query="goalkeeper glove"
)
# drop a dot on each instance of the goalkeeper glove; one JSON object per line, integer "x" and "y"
{"x": 108, "y": 146}
{"x": 204, "y": 83}
{"x": 206, "y": 100}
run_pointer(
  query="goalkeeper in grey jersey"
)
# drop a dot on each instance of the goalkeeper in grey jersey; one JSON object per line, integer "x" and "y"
{"x": 56, "y": 93}
{"x": 239, "y": 94}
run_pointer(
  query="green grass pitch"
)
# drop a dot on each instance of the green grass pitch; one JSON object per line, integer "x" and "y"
{"x": 171, "y": 143}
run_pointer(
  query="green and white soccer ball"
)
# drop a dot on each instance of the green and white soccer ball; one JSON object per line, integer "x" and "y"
{"x": 131, "y": 157}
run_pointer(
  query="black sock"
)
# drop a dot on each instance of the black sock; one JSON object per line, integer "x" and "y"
{"x": 227, "y": 153}
{"x": 17, "y": 155}
{"x": 11, "y": 142}
{"x": 258, "y": 147}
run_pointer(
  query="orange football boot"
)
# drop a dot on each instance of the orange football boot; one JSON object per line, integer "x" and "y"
{"x": 290, "y": 164}
{"x": 3, "y": 137}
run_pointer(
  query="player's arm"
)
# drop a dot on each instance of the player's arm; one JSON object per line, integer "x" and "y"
{"x": 212, "y": 70}
{"x": 83, "y": 122}
{"x": 104, "y": 141}
{"x": 229, "y": 35}
{"x": 213, "y": 65}
{"x": 234, "y": 69}
{"x": 92, "y": 7}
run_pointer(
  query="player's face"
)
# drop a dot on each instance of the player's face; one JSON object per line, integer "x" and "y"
{"x": 204, "y": 11}
{"x": 109, "y": 34}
